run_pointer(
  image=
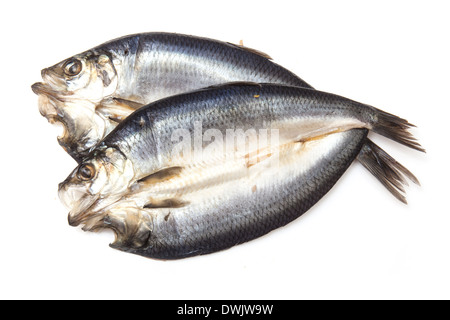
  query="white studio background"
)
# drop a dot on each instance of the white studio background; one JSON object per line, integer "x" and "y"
{"x": 358, "y": 242}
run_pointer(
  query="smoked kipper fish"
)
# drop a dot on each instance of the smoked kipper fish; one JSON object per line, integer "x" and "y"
{"x": 91, "y": 92}
{"x": 203, "y": 171}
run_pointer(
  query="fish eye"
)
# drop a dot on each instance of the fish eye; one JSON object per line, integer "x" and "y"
{"x": 86, "y": 172}
{"x": 72, "y": 67}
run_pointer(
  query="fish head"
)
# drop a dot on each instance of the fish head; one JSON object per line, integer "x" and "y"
{"x": 82, "y": 126}
{"x": 87, "y": 76}
{"x": 70, "y": 95}
{"x": 98, "y": 181}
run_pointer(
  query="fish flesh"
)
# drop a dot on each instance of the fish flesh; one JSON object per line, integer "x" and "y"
{"x": 169, "y": 185}
{"x": 91, "y": 92}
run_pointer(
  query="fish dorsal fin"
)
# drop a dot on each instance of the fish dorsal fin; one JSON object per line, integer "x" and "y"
{"x": 257, "y": 52}
{"x": 161, "y": 175}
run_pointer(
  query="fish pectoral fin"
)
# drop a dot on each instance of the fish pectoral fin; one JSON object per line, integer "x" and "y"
{"x": 165, "y": 203}
{"x": 117, "y": 109}
{"x": 132, "y": 105}
{"x": 259, "y": 53}
{"x": 161, "y": 175}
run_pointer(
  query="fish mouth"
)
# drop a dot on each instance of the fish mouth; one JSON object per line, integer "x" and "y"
{"x": 76, "y": 220}
{"x": 43, "y": 88}
{"x": 53, "y": 108}
{"x": 78, "y": 201}
{"x": 50, "y": 103}
{"x": 82, "y": 212}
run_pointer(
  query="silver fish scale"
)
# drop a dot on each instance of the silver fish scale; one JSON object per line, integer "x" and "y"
{"x": 177, "y": 207}
{"x": 225, "y": 107}
{"x": 186, "y": 234}
{"x": 164, "y": 64}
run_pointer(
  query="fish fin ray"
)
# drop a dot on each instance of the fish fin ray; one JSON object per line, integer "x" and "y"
{"x": 396, "y": 128}
{"x": 133, "y": 105}
{"x": 386, "y": 169}
{"x": 117, "y": 109}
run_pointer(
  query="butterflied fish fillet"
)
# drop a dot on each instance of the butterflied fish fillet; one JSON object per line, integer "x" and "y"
{"x": 168, "y": 187}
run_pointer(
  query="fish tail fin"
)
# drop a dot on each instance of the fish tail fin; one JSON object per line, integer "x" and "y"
{"x": 386, "y": 169}
{"x": 395, "y": 128}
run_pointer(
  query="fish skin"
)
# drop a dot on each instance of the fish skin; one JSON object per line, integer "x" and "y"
{"x": 143, "y": 144}
{"x": 138, "y": 245}
{"x": 170, "y": 63}
{"x": 184, "y": 232}
{"x": 169, "y": 222}
{"x": 232, "y": 106}
{"x": 143, "y": 68}
{"x": 137, "y": 69}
